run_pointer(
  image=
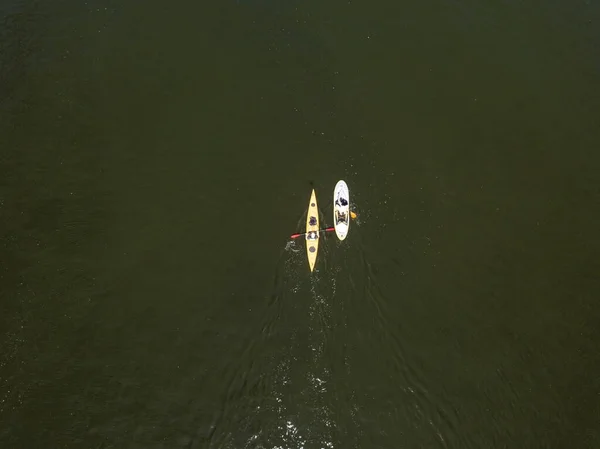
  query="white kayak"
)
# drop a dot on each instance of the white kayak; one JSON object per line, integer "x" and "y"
{"x": 341, "y": 209}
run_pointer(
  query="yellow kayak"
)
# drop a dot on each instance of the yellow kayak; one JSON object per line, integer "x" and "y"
{"x": 312, "y": 231}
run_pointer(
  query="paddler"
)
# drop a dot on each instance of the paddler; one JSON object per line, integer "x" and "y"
{"x": 341, "y": 217}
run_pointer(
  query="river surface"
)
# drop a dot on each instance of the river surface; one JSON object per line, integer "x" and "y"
{"x": 155, "y": 157}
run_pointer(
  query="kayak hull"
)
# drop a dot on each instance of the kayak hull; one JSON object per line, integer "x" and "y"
{"x": 341, "y": 209}
{"x": 312, "y": 231}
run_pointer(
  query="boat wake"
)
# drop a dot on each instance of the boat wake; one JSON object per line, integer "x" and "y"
{"x": 317, "y": 372}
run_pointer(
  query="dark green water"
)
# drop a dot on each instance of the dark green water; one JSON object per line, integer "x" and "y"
{"x": 155, "y": 157}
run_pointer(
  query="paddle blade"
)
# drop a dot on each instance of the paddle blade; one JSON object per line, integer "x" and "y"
{"x": 353, "y": 215}
{"x": 295, "y": 236}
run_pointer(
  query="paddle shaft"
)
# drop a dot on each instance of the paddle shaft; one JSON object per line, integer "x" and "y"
{"x": 295, "y": 236}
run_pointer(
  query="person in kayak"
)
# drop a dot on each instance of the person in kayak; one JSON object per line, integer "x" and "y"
{"x": 341, "y": 217}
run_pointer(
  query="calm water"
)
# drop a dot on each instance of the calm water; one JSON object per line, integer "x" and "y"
{"x": 155, "y": 157}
